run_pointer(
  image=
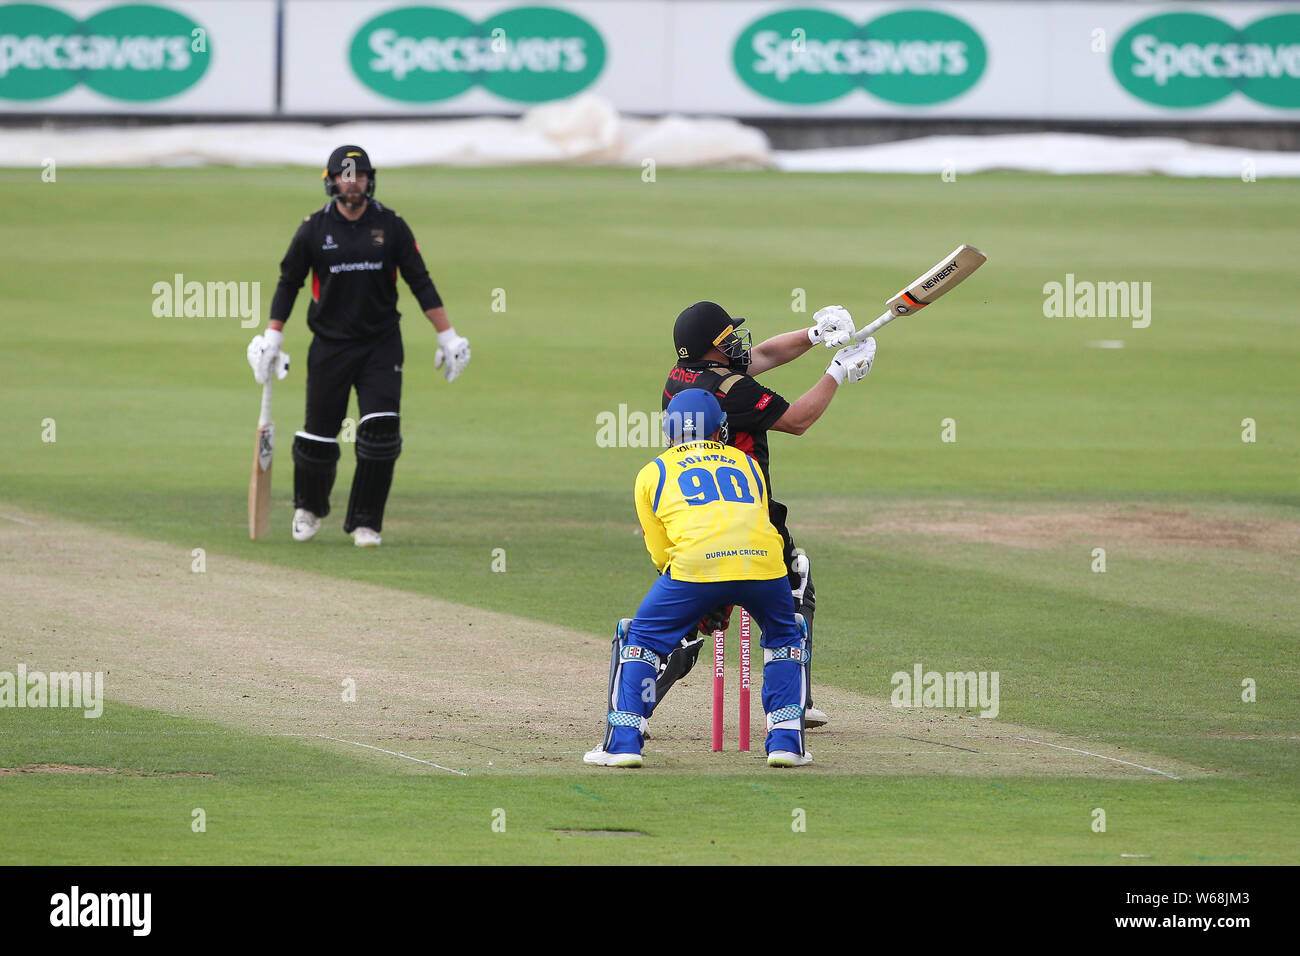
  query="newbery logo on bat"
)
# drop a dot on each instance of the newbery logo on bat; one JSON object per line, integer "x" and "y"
{"x": 939, "y": 276}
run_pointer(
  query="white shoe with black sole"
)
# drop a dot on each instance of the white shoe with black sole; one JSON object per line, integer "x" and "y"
{"x": 812, "y": 717}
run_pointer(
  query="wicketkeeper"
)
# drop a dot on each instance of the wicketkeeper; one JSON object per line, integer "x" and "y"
{"x": 703, "y": 508}
{"x": 714, "y": 354}
{"x": 354, "y": 247}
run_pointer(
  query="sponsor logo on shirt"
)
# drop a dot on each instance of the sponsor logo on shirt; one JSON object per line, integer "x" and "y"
{"x": 329, "y": 242}
{"x": 736, "y": 553}
{"x": 762, "y": 402}
{"x": 355, "y": 267}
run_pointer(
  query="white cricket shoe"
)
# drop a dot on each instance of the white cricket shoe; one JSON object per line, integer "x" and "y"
{"x": 786, "y": 758}
{"x": 812, "y": 717}
{"x": 602, "y": 758}
{"x": 366, "y": 538}
{"x": 305, "y": 525}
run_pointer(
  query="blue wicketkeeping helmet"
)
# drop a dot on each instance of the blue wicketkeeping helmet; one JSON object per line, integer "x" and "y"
{"x": 692, "y": 414}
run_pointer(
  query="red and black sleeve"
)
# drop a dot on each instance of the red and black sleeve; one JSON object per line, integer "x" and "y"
{"x": 751, "y": 407}
{"x": 411, "y": 264}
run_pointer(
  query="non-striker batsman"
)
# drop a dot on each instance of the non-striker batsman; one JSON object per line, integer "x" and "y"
{"x": 353, "y": 247}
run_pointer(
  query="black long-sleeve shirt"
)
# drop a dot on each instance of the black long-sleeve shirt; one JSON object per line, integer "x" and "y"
{"x": 354, "y": 268}
{"x": 752, "y": 409}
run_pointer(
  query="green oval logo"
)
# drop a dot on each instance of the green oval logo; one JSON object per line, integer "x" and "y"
{"x": 417, "y": 54}
{"x": 32, "y": 38}
{"x": 1274, "y": 43}
{"x": 920, "y": 57}
{"x": 916, "y": 57}
{"x": 540, "y": 54}
{"x": 797, "y": 56}
{"x": 527, "y": 54}
{"x": 1185, "y": 60}
{"x": 135, "y": 52}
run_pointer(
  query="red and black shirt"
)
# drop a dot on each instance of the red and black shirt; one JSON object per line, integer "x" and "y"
{"x": 751, "y": 408}
{"x": 354, "y": 267}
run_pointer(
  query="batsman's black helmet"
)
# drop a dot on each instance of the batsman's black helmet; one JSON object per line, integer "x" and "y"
{"x": 706, "y": 325}
{"x": 348, "y": 161}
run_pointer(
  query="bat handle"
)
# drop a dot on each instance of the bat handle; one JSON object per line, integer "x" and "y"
{"x": 264, "y": 416}
{"x": 862, "y": 334}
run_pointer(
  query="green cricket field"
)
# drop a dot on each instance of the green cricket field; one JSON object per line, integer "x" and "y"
{"x": 1098, "y": 511}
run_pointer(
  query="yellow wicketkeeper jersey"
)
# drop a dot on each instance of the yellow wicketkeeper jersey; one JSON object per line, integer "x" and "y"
{"x": 703, "y": 508}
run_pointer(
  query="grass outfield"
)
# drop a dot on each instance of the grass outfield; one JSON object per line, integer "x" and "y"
{"x": 973, "y": 555}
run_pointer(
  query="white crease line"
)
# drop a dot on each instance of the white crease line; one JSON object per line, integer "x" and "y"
{"x": 1101, "y": 756}
{"x": 393, "y": 753}
{"x": 31, "y": 524}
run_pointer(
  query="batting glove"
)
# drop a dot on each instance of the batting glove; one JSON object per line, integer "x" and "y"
{"x": 853, "y": 363}
{"x": 834, "y": 328}
{"x": 265, "y": 357}
{"x": 452, "y": 355}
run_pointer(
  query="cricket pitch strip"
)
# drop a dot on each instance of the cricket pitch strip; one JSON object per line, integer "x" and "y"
{"x": 439, "y": 687}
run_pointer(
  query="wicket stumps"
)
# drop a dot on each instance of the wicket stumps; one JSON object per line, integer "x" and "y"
{"x": 719, "y": 675}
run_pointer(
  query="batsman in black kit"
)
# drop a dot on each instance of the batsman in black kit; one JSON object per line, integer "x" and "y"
{"x": 353, "y": 247}
{"x": 713, "y": 355}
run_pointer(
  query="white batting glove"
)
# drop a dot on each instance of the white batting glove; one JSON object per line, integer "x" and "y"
{"x": 265, "y": 357}
{"x": 834, "y": 328}
{"x": 452, "y": 355}
{"x": 853, "y": 363}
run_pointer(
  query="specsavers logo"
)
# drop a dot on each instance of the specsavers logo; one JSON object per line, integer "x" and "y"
{"x": 528, "y": 54}
{"x": 1183, "y": 60}
{"x": 134, "y": 52}
{"x": 916, "y": 57}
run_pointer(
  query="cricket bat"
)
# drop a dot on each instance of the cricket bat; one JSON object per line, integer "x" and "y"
{"x": 949, "y": 273}
{"x": 259, "y": 486}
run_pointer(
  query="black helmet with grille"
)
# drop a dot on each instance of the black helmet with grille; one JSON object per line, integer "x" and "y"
{"x": 348, "y": 161}
{"x": 705, "y": 326}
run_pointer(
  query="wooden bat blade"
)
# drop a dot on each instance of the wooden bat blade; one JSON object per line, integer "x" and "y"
{"x": 259, "y": 486}
{"x": 948, "y": 273}
{"x": 951, "y": 272}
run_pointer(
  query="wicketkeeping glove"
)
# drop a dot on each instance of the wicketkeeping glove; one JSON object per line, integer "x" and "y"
{"x": 719, "y": 619}
{"x": 265, "y": 357}
{"x": 452, "y": 355}
{"x": 853, "y": 363}
{"x": 834, "y": 328}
